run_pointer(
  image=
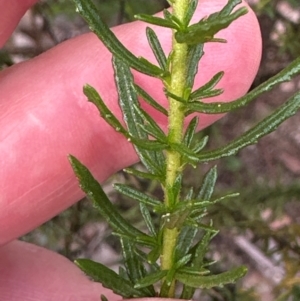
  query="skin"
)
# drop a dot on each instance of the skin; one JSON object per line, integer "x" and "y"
{"x": 44, "y": 117}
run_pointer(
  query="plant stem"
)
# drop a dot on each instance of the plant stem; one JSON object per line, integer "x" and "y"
{"x": 175, "y": 85}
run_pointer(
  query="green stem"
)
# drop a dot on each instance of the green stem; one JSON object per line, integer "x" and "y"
{"x": 175, "y": 85}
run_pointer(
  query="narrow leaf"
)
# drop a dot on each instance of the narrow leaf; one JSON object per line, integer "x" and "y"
{"x": 190, "y": 12}
{"x": 108, "y": 278}
{"x": 205, "y": 30}
{"x": 105, "y": 113}
{"x": 200, "y": 144}
{"x": 199, "y": 206}
{"x": 95, "y": 192}
{"x": 171, "y": 18}
{"x": 194, "y": 271}
{"x": 190, "y": 131}
{"x": 128, "y": 98}
{"x": 266, "y": 126}
{"x": 134, "y": 267}
{"x": 285, "y": 75}
{"x": 213, "y": 280}
{"x": 208, "y": 185}
{"x": 195, "y": 53}
{"x": 201, "y": 92}
{"x": 185, "y": 241}
{"x": 151, "y": 125}
{"x": 156, "y": 21}
{"x": 183, "y": 261}
{"x": 141, "y": 174}
{"x": 89, "y": 12}
{"x": 149, "y": 145}
{"x": 148, "y": 219}
{"x": 137, "y": 195}
{"x": 148, "y": 99}
{"x": 174, "y": 190}
{"x": 156, "y": 48}
{"x": 189, "y": 195}
{"x": 154, "y": 255}
{"x": 228, "y": 8}
{"x": 189, "y": 155}
{"x": 197, "y": 261}
{"x": 201, "y": 248}
{"x": 151, "y": 279}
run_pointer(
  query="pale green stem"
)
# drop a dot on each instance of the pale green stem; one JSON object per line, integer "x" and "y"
{"x": 176, "y": 86}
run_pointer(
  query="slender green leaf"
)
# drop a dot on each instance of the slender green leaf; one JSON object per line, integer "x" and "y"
{"x": 141, "y": 174}
{"x": 149, "y": 145}
{"x": 152, "y": 166}
{"x": 183, "y": 261}
{"x": 134, "y": 267}
{"x": 228, "y": 8}
{"x": 174, "y": 190}
{"x": 201, "y": 248}
{"x": 95, "y": 192}
{"x": 266, "y": 126}
{"x": 171, "y": 273}
{"x": 148, "y": 99}
{"x": 176, "y": 97}
{"x": 89, "y": 12}
{"x": 185, "y": 241}
{"x": 201, "y": 92}
{"x": 190, "y": 12}
{"x": 150, "y": 125}
{"x": 200, "y": 144}
{"x": 205, "y": 30}
{"x": 143, "y": 257}
{"x": 151, "y": 279}
{"x": 189, "y": 155}
{"x": 128, "y": 98}
{"x": 285, "y": 75}
{"x": 208, "y": 185}
{"x": 105, "y": 113}
{"x": 156, "y": 48}
{"x": 213, "y": 280}
{"x": 137, "y": 195}
{"x": 189, "y": 195}
{"x": 190, "y": 131}
{"x": 154, "y": 255}
{"x": 198, "y": 207}
{"x": 171, "y": 18}
{"x": 148, "y": 219}
{"x": 195, "y": 53}
{"x": 156, "y": 21}
{"x": 108, "y": 278}
{"x": 194, "y": 271}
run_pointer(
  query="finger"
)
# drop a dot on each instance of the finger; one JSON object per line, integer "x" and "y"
{"x": 32, "y": 273}
{"x": 45, "y": 116}
{"x": 10, "y": 14}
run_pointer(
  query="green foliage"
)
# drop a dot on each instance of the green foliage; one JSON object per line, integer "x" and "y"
{"x": 181, "y": 237}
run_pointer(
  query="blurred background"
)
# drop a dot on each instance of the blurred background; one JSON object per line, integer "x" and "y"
{"x": 261, "y": 228}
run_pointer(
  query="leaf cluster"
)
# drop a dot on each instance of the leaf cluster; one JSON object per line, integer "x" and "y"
{"x": 184, "y": 213}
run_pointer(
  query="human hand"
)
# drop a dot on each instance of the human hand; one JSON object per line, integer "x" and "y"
{"x": 44, "y": 116}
